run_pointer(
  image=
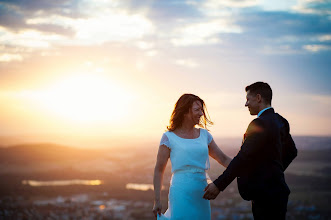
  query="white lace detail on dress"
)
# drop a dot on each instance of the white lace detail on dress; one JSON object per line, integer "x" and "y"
{"x": 165, "y": 141}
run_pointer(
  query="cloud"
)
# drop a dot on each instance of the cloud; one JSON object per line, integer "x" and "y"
{"x": 112, "y": 27}
{"x": 29, "y": 39}
{"x": 107, "y": 26}
{"x": 244, "y": 25}
{"x": 13, "y": 14}
{"x": 316, "y": 48}
{"x": 187, "y": 63}
{"x": 279, "y": 49}
{"x": 203, "y": 33}
{"x": 326, "y": 37}
{"x": 10, "y": 18}
{"x": 321, "y": 7}
{"x": 46, "y": 25}
{"x": 226, "y": 8}
{"x": 276, "y": 24}
{"x": 323, "y": 100}
{"x": 282, "y": 32}
{"x": 144, "y": 45}
{"x": 279, "y": 5}
{"x": 230, "y": 3}
{"x": 10, "y": 57}
{"x": 53, "y": 29}
{"x": 36, "y": 4}
{"x": 166, "y": 11}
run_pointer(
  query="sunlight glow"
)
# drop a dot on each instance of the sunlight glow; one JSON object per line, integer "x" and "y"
{"x": 141, "y": 187}
{"x": 187, "y": 63}
{"x": 84, "y": 98}
{"x": 28, "y": 38}
{"x": 62, "y": 182}
{"x": 10, "y": 57}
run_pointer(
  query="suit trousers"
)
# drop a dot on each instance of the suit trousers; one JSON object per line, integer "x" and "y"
{"x": 270, "y": 208}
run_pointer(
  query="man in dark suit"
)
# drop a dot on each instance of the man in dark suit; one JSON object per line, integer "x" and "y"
{"x": 266, "y": 151}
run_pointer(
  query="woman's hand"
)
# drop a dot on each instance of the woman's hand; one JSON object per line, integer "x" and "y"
{"x": 161, "y": 163}
{"x": 157, "y": 209}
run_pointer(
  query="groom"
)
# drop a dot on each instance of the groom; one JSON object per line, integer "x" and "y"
{"x": 266, "y": 151}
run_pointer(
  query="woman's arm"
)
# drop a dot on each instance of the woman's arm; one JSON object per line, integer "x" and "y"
{"x": 216, "y": 153}
{"x": 161, "y": 163}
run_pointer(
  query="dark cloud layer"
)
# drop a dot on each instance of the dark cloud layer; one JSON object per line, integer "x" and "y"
{"x": 11, "y": 18}
{"x": 13, "y": 14}
{"x": 36, "y": 5}
{"x": 275, "y": 24}
{"x": 323, "y": 7}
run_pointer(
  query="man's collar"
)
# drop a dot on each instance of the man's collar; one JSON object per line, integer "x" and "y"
{"x": 260, "y": 113}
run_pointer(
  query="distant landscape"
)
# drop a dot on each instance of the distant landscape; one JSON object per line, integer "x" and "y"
{"x": 113, "y": 169}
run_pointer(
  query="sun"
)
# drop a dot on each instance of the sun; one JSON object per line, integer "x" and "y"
{"x": 87, "y": 97}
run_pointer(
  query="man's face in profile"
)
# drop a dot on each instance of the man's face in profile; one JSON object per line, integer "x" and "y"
{"x": 252, "y": 103}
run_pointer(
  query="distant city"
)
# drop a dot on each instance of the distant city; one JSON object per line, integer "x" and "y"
{"x": 47, "y": 181}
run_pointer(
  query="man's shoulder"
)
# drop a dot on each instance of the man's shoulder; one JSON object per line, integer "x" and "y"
{"x": 257, "y": 122}
{"x": 283, "y": 123}
{"x": 282, "y": 118}
{"x": 271, "y": 115}
{"x": 256, "y": 126}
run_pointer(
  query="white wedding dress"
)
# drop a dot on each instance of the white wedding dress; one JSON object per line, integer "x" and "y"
{"x": 189, "y": 160}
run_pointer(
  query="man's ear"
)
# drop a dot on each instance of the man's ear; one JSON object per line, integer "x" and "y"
{"x": 259, "y": 97}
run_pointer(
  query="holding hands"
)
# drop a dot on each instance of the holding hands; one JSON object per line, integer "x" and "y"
{"x": 211, "y": 192}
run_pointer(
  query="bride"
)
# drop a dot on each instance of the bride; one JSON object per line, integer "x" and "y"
{"x": 188, "y": 148}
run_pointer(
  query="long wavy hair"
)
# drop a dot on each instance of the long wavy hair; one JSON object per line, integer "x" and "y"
{"x": 182, "y": 107}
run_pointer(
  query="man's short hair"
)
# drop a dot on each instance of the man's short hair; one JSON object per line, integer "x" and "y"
{"x": 261, "y": 88}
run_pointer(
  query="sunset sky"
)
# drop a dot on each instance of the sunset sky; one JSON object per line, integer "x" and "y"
{"x": 97, "y": 69}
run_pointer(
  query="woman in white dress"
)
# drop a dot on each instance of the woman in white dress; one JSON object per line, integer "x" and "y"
{"x": 188, "y": 148}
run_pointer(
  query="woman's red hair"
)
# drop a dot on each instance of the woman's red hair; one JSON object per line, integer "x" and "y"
{"x": 182, "y": 107}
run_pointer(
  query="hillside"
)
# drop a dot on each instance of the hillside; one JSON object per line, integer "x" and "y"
{"x": 45, "y": 152}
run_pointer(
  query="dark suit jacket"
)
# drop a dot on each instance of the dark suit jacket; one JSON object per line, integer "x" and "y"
{"x": 266, "y": 152}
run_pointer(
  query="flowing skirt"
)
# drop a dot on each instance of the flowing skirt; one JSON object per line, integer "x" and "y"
{"x": 185, "y": 196}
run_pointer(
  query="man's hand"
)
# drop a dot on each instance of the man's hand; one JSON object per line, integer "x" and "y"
{"x": 211, "y": 191}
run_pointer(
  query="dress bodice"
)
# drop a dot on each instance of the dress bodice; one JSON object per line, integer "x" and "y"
{"x": 186, "y": 153}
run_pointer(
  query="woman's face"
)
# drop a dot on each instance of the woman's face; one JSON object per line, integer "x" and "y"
{"x": 196, "y": 112}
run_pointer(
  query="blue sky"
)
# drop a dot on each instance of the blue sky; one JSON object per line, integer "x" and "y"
{"x": 213, "y": 48}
